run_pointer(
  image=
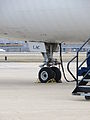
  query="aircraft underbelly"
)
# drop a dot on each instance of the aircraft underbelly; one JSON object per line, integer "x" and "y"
{"x": 43, "y": 20}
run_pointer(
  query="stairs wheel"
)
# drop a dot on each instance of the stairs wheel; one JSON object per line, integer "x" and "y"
{"x": 87, "y": 97}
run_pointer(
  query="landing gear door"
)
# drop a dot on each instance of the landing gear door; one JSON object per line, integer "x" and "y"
{"x": 37, "y": 47}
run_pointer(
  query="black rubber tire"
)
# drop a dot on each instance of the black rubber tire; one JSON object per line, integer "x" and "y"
{"x": 87, "y": 97}
{"x": 45, "y": 74}
{"x": 57, "y": 76}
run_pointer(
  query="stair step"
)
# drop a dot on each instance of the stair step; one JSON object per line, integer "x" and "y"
{"x": 81, "y": 89}
{"x": 86, "y": 80}
{"x": 84, "y": 94}
{"x": 84, "y": 89}
{"x": 81, "y": 94}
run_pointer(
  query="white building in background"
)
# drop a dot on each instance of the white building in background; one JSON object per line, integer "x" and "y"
{"x": 74, "y": 47}
{"x": 13, "y": 46}
{"x": 2, "y": 50}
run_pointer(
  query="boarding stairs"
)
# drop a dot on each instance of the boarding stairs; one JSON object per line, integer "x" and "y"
{"x": 82, "y": 86}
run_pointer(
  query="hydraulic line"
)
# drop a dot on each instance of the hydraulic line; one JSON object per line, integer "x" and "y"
{"x": 62, "y": 66}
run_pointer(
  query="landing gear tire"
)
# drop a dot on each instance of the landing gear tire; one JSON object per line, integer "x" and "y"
{"x": 45, "y": 74}
{"x": 57, "y": 76}
{"x": 87, "y": 97}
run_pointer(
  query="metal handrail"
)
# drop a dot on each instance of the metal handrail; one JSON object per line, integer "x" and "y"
{"x": 68, "y": 68}
{"x": 76, "y": 57}
{"x": 83, "y": 45}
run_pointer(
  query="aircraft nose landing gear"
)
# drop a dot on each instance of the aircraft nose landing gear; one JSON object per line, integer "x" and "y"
{"x": 48, "y": 70}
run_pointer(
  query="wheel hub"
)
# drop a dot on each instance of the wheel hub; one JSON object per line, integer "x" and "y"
{"x": 44, "y": 75}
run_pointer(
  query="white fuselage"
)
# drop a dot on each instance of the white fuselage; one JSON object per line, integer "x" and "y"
{"x": 45, "y": 20}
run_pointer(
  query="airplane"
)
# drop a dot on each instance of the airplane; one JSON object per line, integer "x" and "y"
{"x": 44, "y": 24}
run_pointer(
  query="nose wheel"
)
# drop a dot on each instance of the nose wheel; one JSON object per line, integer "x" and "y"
{"x": 57, "y": 76}
{"x": 47, "y": 73}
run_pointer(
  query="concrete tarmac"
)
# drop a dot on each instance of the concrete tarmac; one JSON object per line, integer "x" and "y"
{"x": 23, "y": 98}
